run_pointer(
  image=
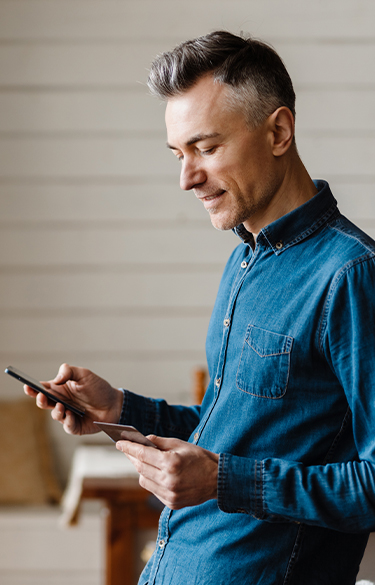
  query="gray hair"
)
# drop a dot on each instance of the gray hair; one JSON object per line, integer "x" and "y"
{"x": 257, "y": 79}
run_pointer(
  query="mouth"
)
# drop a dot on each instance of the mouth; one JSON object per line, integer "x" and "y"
{"x": 208, "y": 199}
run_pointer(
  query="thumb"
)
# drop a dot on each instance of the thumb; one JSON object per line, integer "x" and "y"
{"x": 64, "y": 374}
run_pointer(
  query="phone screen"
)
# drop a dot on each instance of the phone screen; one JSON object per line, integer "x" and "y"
{"x": 124, "y": 433}
{"x": 55, "y": 396}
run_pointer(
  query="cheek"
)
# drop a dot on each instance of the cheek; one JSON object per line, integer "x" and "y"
{"x": 227, "y": 172}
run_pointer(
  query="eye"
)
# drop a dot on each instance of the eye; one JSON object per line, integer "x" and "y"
{"x": 208, "y": 151}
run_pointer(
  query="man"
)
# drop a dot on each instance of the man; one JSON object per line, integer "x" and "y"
{"x": 272, "y": 480}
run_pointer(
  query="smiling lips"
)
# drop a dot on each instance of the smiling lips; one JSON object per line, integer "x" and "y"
{"x": 206, "y": 199}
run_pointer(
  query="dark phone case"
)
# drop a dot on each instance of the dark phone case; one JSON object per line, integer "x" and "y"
{"x": 55, "y": 397}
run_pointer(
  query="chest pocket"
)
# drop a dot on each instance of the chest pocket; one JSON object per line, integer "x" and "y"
{"x": 265, "y": 363}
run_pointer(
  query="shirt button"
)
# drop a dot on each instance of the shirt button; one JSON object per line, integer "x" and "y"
{"x": 196, "y": 437}
{"x": 161, "y": 543}
{"x": 279, "y": 245}
{"x": 226, "y": 322}
{"x": 217, "y": 382}
{"x": 244, "y": 264}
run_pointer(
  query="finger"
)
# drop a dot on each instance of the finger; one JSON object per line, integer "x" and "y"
{"x": 133, "y": 461}
{"x": 71, "y": 424}
{"x": 150, "y": 477}
{"x": 167, "y": 497}
{"x": 42, "y": 401}
{"x": 141, "y": 453}
{"x": 59, "y": 412}
{"x": 30, "y": 391}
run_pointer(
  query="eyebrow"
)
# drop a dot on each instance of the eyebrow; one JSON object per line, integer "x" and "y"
{"x": 196, "y": 138}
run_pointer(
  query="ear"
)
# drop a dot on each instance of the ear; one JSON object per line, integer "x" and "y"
{"x": 282, "y": 128}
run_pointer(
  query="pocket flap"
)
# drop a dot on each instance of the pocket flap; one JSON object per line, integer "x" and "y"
{"x": 267, "y": 343}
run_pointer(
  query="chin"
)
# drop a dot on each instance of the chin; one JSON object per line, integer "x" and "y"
{"x": 223, "y": 225}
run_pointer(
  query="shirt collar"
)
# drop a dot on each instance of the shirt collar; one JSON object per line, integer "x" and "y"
{"x": 297, "y": 224}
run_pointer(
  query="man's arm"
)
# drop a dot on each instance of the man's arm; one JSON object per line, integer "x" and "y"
{"x": 104, "y": 403}
{"x": 337, "y": 495}
{"x": 155, "y": 416}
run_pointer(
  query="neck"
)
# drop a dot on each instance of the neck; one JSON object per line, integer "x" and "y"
{"x": 293, "y": 188}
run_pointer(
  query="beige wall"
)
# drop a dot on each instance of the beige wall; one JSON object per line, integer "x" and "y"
{"x": 103, "y": 261}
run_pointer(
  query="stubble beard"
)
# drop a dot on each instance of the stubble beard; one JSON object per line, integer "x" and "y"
{"x": 238, "y": 214}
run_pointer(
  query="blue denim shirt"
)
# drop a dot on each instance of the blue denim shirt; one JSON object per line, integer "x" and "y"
{"x": 290, "y": 408}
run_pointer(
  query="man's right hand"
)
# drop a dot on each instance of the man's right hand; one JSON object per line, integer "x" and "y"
{"x": 97, "y": 397}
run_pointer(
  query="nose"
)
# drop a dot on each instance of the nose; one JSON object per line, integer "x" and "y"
{"x": 192, "y": 174}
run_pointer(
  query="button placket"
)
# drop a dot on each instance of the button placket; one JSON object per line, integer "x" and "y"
{"x": 227, "y": 321}
{"x": 237, "y": 283}
{"x": 162, "y": 539}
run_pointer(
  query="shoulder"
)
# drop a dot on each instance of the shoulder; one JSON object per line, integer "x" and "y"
{"x": 347, "y": 246}
{"x": 356, "y": 241}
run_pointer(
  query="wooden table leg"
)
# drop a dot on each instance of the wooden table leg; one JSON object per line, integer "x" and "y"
{"x": 130, "y": 510}
{"x": 120, "y": 550}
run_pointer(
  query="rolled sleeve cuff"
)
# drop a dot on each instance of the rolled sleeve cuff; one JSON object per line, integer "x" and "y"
{"x": 240, "y": 486}
{"x": 138, "y": 411}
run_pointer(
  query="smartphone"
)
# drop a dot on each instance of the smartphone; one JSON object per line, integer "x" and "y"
{"x": 124, "y": 433}
{"x": 55, "y": 396}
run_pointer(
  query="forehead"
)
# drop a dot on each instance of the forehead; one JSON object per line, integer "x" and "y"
{"x": 203, "y": 109}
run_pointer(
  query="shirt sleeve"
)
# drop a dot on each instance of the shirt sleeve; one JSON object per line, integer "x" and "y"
{"x": 155, "y": 416}
{"x": 340, "y": 495}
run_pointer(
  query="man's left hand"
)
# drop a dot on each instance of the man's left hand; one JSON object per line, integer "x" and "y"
{"x": 179, "y": 474}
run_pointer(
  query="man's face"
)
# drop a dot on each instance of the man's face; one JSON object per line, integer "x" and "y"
{"x": 230, "y": 167}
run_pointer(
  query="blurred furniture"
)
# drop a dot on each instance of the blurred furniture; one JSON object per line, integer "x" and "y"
{"x": 199, "y": 385}
{"x": 27, "y": 468}
{"x": 101, "y": 472}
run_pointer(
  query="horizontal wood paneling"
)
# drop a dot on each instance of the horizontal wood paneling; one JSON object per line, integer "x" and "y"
{"x": 95, "y": 201}
{"x": 152, "y": 292}
{"x": 31, "y": 533}
{"x": 94, "y": 333}
{"x": 83, "y": 19}
{"x": 124, "y": 64}
{"x": 147, "y": 204}
{"x": 327, "y": 156}
{"x": 81, "y": 111}
{"x": 67, "y": 64}
{"x": 103, "y": 112}
{"x": 357, "y": 202}
{"x": 86, "y": 157}
{"x": 83, "y": 244}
